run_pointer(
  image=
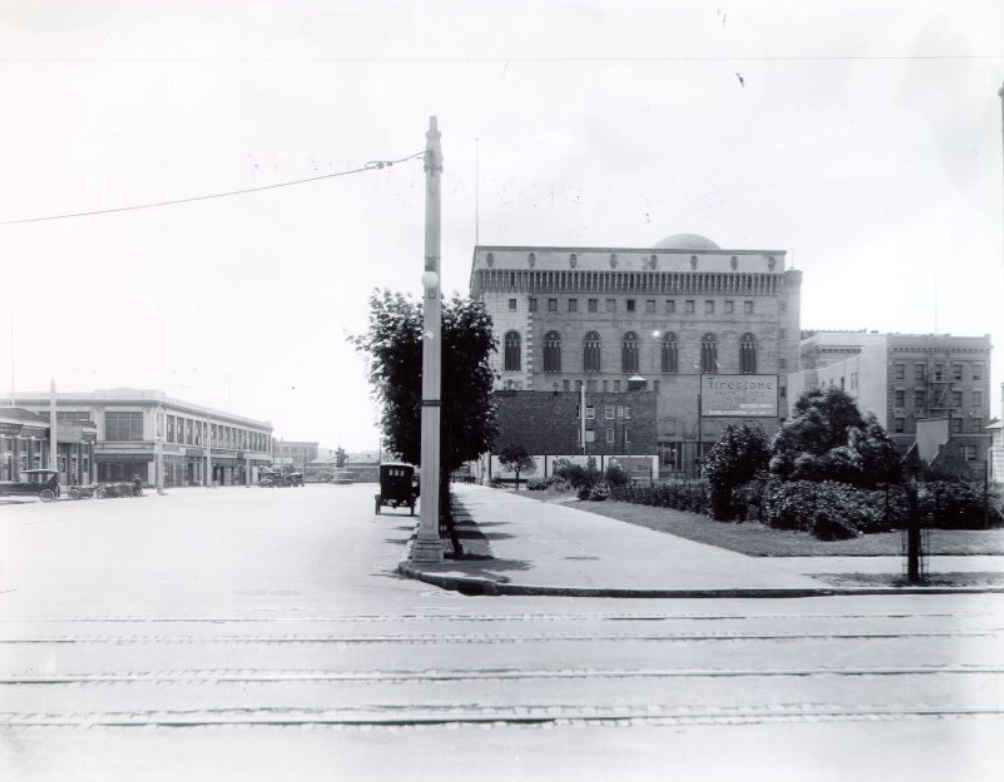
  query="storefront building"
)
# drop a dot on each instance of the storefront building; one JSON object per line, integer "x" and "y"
{"x": 25, "y": 445}
{"x": 165, "y": 441}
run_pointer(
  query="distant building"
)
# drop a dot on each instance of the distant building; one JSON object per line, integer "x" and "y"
{"x": 294, "y": 455}
{"x": 137, "y": 432}
{"x": 618, "y": 428}
{"x": 906, "y": 378}
{"x": 25, "y": 445}
{"x": 675, "y": 315}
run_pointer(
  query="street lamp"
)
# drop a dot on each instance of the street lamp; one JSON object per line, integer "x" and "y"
{"x": 427, "y": 547}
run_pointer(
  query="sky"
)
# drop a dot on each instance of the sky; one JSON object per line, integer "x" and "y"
{"x": 863, "y": 138}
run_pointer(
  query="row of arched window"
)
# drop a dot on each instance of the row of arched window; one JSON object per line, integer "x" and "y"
{"x": 592, "y": 353}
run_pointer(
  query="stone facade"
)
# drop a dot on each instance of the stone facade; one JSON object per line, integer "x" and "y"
{"x": 567, "y": 317}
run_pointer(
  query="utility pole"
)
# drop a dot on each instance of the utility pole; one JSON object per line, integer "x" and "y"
{"x": 427, "y": 547}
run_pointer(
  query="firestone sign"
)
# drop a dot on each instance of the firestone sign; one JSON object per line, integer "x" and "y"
{"x": 750, "y": 396}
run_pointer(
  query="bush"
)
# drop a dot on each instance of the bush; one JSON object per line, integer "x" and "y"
{"x": 797, "y": 505}
{"x": 616, "y": 476}
{"x": 682, "y": 495}
{"x": 599, "y": 492}
{"x": 496, "y": 482}
{"x": 738, "y": 457}
{"x": 539, "y": 484}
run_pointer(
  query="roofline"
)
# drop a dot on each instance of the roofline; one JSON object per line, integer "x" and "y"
{"x": 649, "y": 250}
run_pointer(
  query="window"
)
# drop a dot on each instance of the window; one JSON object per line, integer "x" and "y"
{"x": 709, "y": 307}
{"x": 591, "y": 386}
{"x": 670, "y": 307}
{"x": 573, "y": 305}
{"x": 620, "y": 411}
{"x": 566, "y": 385}
{"x": 977, "y": 425}
{"x": 532, "y": 304}
{"x": 899, "y": 398}
{"x": 977, "y": 399}
{"x": 512, "y": 351}
{"x": 688, "y": 307}
{"x": 938, "y": 373}
{"x": 782, "y": 363}
{"x": 552, "y": 352}
{"x": 170, "y": 429}
{"x": 709, "y": 353}
{"x": 606, "y": 386}
{"x": 123, "y": 426}
{"x": 629, "y": 353}
{"x": 968, "y": 452}
{"x": 748, "y": 307}
{"x": 919, "y": 399}
{"x": 630, "y": 305}
{"x": 594, "y": 305}
{"x": 977, "y": 371}
{"x": 627, "y": 412}
{"x": 611, "y": 305}
{"x": 900, "y": 373}
{"x": 900, "y": 425}
{"x": 512, "y": 305}
{"x": 956, "y": 425}
{"x": 610, "y": 436}
{"x": 730, "y": 307}
{"x": 956, "y": 371}
{"x": 617, "y": 386}
{"x": 590, "y": 436}
{"x": 591, "y": 352}
{"x": 650, "y": 306}
{"x": 747, "y": 354}
{"x": 918, "y": 371}
{"x": 590, "y": 413}
{"x": 552, "y": 305}
{"x": 956, "y": 399}
{"x": 608, "y": 412}
{"x": 627, "y": 436}
{"x": 670, "y": 354}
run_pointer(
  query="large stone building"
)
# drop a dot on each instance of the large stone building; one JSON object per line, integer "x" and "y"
{"x": 906, "y": 378}
{"x": 676, "y": 315}
{"x": 165, "y": 441}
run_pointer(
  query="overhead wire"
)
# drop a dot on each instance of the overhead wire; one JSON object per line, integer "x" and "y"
{"x": 371, "y": 165}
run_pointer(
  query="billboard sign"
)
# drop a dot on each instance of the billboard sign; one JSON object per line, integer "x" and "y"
{"x": 735, "y": 396}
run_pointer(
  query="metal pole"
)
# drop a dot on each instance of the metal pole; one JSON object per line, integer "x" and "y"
{"x": 427, "y": 547}
{"x": 53, "y": 429}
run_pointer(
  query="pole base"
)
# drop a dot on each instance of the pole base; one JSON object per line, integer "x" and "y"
{"x": 426, "y": 552}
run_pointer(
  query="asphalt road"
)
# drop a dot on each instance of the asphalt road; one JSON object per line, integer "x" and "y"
{"x": 264, "y": 634}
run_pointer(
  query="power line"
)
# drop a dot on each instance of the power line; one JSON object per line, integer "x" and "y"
{"x": 372, "y": 165}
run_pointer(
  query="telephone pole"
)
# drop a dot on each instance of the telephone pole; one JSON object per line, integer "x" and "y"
{"x": 427, "y": 547}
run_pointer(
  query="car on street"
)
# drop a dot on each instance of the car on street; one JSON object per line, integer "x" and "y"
{"x": 43, "y": 484}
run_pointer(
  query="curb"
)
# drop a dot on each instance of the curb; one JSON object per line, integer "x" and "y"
{"x": 474, "y": 585}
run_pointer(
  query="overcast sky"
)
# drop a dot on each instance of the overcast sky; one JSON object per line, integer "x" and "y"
{"x": 863, "y": 138}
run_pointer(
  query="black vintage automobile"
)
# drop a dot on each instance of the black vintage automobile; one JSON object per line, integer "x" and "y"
{"x": 397, "y": 486}
{"x": 43, "y": 484}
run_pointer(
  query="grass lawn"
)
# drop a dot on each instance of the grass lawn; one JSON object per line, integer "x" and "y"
{"x": 759, "y": 541}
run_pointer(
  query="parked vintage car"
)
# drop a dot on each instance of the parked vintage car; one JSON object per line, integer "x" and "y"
{"x": 43, "y": 484}
{"x": 397, "y": 486}
{"x": 82, "y": 491}
{"x": 117, "y": 489}
{"x": 295, "y": 479}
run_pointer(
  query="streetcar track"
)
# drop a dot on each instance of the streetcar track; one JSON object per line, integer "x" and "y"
{"x": 494, "y": 717}
{"x": 479, "y": 638}
{"x": 226, "y": 676}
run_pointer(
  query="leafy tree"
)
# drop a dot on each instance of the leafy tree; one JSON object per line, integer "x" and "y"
{"x": 393, "y": 346}
{"x": 829, "y": 439}
{"x": 517, "y": 459}
{"x": 740, "y": 456}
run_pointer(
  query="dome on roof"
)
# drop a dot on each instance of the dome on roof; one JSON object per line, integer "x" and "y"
{"x": 687, "y": 242}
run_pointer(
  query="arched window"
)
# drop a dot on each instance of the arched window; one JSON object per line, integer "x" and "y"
{"x": 591, "y": 352}
{"x": 709, "y": 353}
{"x": 512, "y": 351}
{"x": 552, "y": 352}
{"x": 670, "y": 354}
{"x": 629, "y": 354}
{"x": 747, "y": 354}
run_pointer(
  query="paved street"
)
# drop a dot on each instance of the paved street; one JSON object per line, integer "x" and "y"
{"x": 263, "y": 634}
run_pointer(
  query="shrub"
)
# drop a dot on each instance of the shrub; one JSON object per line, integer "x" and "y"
{"x": 539, "y": 484}
{"x": 738, "y": 457}
{"x": 797, "y": 505}
{"x": 599, "y": 492}
{"x": 616, "y": 476}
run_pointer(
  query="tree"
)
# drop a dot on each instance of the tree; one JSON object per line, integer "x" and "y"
{"x": 517, "y": 459}
{"x": 829, "y": 439}
{"x": 393, "y": 346}
{"x": 740, "y": 456}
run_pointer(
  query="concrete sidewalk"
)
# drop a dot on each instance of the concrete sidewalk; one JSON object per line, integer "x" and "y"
{"x": 539, "y": 548}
